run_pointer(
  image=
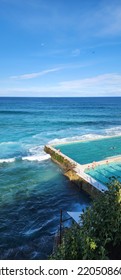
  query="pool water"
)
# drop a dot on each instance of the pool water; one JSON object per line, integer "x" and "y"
{"x": 106, "y": 173}
{"x": 92, "y": 150}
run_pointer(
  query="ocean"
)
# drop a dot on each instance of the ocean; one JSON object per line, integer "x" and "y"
{"x": 33, "y": 189}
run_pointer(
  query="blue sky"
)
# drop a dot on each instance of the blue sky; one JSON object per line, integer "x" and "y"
{"x": 60, "y": 48}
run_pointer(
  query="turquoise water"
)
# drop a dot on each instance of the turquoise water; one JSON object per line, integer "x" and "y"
{"x": 32, "y": 188}
{"x": 95, "y": 150}
{"x": 106, "y": 173}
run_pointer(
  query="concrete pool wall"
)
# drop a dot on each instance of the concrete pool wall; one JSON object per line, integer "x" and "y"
{"x": 75, "y": 172}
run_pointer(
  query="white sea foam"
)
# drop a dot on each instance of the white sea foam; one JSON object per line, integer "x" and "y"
{"x": 29, "y": 158}
{"x": 36, "y": 149}
{"x": 36, "y": 157}
{"x": 36, "y": 154}
{"x": 74, "y": 138}
{"x": 113, "y": 131}
{"x": 7, "y": 160}
{"x": 8, "y": 143}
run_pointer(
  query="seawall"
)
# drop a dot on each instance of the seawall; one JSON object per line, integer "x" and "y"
{"x": 75, "y": 172}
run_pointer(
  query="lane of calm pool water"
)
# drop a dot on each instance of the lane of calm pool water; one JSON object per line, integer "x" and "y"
{"x": 94, "y": 150}
{"x": 106, "y": 173}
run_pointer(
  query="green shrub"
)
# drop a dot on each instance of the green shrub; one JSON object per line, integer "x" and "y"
{"x": 99, "y": 237}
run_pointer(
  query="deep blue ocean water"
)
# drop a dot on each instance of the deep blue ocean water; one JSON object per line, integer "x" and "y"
{"x": 32, "y": 188}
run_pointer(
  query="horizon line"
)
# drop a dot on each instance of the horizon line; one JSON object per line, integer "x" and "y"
{"x": 60, "y": 96}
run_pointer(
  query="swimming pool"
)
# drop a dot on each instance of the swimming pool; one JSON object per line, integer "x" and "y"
{"x": 105, "y": 173}
{"x": 93, "y": 150}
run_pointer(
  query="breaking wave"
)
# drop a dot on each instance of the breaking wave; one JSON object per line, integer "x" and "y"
{"x": 74, "y": 139}
{"x": 7, "y": 160}
{"x": 8, "y": 143}
{"x": 114, "y": 131}
{"x": 36, "y": 158}
{"x": 29, "y": 158}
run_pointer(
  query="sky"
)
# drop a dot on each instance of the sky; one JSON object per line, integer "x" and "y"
{"x": 60, "y": 48}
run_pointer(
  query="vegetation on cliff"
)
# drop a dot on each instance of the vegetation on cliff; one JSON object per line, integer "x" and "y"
{"x": 99, "y": 237}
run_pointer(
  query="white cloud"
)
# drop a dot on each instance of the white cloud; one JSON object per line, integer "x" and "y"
{"x": 106, "y": 84}
{"x": 101, "y": 85}
{"x": 35, "y": 75}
